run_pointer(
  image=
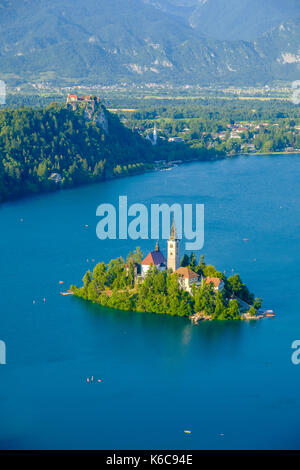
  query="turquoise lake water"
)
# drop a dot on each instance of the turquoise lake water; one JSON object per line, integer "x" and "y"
{"x": 231, "y": 383}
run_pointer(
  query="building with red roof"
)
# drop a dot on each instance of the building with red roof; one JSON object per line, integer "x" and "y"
{"x": 187, "y": 278}
{"x": 217, "y": 283}
{"x": 154, "y": 258}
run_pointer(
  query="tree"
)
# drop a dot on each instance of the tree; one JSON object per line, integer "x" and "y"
{"x": 252, "y": 311}
{"x": 185, "y": 260}
{"x": 92, "y": 292}
{"x": 42, "y": 170}
{"x": 87, "y": 279}
{"x": 257, "y": 303}
{"x": 202, "y": 262}
{"x": 220, "y": 307}
{"x": 193, "y": 261}
{"x": 115, "y": 267}
{"x": 233, "y": 310}
{"x": 100, "y": 276}
{"x": 136, "y": 256}
{"x": 236, "y": 286}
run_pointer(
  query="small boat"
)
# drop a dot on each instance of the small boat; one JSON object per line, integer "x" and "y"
{"x": 187, "y": 432}
{"x": 66, "y": 293}
{"x": 269, "y": 313}
{"x": 61, "y": 282}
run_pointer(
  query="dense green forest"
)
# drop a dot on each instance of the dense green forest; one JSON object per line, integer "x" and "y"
{"x": 116, "y": 286}
{"x": 207, "y": 109}
{"x": 37, "y": 143}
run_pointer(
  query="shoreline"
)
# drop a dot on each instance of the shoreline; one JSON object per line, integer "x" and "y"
{"x": 191, "y": 318}
{"x": 262, "y": 154}
{"x": 142, "y": 172}
{"x": 107, "y": 178}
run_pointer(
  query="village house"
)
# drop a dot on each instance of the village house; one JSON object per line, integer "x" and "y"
{"x": 217, "y": 283}
{"x": 176, "y": 139}
{"x": 234, "y": 135}
{"x": 56, "y": 177}
{"x": 188, "y": 278}
{"x": 240, "y": 130}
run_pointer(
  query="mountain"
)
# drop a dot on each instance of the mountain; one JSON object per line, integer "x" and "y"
{"x": 178, "y": 41}
{"x": 232, "y": 19}
{"x": 281, "y": 47}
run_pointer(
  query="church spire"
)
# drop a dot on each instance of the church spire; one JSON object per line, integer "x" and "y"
{"x": 173, "y": 235}
{"x": 173, "y": 249}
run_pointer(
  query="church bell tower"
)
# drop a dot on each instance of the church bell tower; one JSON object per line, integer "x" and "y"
{"x": 173, "y": 249}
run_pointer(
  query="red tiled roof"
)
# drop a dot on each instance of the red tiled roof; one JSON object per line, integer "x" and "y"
{"x": 214, "y": 280}
{"x": 155, "y": 258}
{"x": 187, "y": 273}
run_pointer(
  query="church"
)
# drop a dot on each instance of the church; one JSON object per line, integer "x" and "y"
{"x": 187, "y": 277}
{"x": 156, "y": 258}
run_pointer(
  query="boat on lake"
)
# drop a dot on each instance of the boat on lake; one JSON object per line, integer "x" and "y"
{"x": 269, "y": 313}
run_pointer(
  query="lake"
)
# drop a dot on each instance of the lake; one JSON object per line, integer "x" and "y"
{"x": 232, "y": 384}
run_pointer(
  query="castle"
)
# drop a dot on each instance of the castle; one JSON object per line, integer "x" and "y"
{"x": 187, "y": 277}
{"x": 71, "y": 98}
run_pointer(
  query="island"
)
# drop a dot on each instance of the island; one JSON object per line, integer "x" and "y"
{"x": 189, "y": 288}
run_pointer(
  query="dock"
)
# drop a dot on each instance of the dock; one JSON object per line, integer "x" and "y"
{"x": 66, "y": 293}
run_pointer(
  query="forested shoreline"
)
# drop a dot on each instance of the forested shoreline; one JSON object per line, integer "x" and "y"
{"x": 116, "y": 285}
{"x": 36, "y": 145}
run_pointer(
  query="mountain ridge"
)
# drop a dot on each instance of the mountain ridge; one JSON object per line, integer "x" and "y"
{"x": 144, "y": 42}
